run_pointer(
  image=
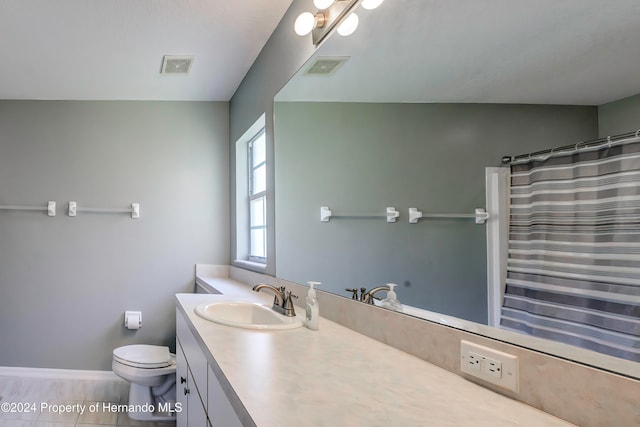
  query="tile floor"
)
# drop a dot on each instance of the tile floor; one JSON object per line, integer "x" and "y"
{"x": 96, "y": 396}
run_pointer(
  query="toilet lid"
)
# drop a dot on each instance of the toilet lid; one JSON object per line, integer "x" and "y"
{"x": 143, "y": 356}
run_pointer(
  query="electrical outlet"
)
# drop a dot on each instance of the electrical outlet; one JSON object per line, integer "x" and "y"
{"x": 474, "y": 361}
{"x": 493, "y": 367}
{"x": 489, "y": 365}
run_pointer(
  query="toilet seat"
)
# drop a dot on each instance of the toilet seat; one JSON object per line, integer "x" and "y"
{"x": 137, "y": 374}
{"x": 143, "y": 356}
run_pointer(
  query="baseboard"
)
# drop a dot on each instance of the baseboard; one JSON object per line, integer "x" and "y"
{"x": 70, "y": 374}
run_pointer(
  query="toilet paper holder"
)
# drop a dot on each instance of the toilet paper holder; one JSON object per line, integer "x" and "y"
{"x": 132, "y": 319}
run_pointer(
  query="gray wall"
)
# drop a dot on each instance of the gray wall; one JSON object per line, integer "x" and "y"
{"x": 284, "y": 53}
{"x": 360, "y": 158}
{"x": 620, "y": 116}
{"x": 66, "y": 282}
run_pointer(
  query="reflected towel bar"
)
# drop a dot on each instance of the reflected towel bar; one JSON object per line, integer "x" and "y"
{"x": 50, "y": 209}
{"x": 134, "y": 210}
{"x": 480, "y": 215}
{"x": 391, "y": 215}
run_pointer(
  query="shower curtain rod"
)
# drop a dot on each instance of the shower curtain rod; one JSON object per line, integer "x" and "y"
{"x": 570, "y": 149}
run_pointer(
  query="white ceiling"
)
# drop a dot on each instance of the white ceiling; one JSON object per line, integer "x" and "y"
{"x": 580, "y": 52}
{"x": 113, "y": 49}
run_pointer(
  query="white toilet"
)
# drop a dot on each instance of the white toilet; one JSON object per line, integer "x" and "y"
{"x": 151, "y": 371}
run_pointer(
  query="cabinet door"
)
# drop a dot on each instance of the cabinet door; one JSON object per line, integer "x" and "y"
{"x": 221, "y": 413}
{"x": 191, "y": 378}
{"x": 196, "y": 359}
{"x": 196, "y": 414}
{"x": 182, "y": 378}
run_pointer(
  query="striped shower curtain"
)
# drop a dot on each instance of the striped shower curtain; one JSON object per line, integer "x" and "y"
{"x": 573, "y": 271}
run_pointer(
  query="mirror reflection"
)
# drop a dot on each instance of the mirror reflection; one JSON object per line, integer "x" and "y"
{"x": 425, "y": 96}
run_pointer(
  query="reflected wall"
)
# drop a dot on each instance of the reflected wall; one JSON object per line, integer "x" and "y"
{"x": 363, "y": 157}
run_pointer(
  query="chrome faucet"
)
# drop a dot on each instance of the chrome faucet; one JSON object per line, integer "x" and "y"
{"x": 367, "y": 297}
{"x": 282, "y": 302}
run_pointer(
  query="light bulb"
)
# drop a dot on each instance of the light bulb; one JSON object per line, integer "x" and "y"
{"x": 349, "y": 25}
{"x": 304, "y": 23}
{"x": 322, "y": 4}
{"x": 371, "y": 4}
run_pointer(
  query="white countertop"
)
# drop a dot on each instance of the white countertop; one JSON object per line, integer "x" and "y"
{"x": 337, "y": 377}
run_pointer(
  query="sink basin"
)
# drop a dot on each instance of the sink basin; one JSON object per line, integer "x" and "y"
{"x": 247, "y": 315}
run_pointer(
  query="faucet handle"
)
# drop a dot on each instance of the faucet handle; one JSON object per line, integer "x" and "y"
{"x": 287, "y": 305}
{"x": 355, "y": 292}
{"x": 287, "y": 300}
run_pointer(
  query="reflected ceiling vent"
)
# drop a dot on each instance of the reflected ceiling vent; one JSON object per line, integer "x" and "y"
{"x": 176, "y": 64}
{"x": 325, "y": 66}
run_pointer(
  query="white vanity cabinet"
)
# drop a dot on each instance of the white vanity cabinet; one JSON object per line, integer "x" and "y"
{"x": 191, "y": 377}
{"x": 182, "y": 386}
{"x": 221, "y": 413}
{"x": 203, "y": 400}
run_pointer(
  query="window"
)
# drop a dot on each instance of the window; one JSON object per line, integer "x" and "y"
{"x": 252, "y": 199}
{"x": 257, "y": 198}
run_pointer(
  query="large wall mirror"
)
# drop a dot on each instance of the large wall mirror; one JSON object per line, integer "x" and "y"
{"x": 410, "y": 110}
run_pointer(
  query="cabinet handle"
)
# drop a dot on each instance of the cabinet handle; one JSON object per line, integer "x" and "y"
{"x": 183, "y": 380}
{"x": 186, "y": 391}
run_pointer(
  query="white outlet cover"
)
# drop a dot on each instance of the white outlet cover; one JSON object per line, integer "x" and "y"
{"x": 508, "y": 377}
{"x": 473, "y": 361}
{"x": 493, "y": 367}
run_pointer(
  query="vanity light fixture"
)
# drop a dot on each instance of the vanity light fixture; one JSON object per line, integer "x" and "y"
{"x": 330, "y": 14}
{"x": 306, "y": 22}
{"x": 349, "y": 25}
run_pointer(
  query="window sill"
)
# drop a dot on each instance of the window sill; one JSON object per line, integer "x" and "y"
{"x": 250, "y": 265}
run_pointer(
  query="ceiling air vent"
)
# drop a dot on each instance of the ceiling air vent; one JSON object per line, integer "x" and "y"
{"x": 325, "y": 66}
{"x": 176, "y": 64}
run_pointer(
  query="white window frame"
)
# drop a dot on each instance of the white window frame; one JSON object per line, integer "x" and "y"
{"x": 254, "y": 196}
{"x": 242, "y": 240}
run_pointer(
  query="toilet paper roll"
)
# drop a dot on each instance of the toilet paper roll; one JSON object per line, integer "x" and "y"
{"x": 133, "y": 320}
